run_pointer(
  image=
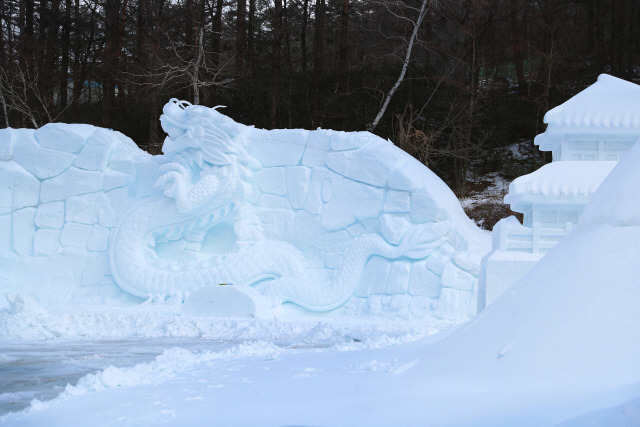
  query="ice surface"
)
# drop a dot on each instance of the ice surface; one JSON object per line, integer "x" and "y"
{"x": 55, "y": 214}
{"x": 18, "y": 188}
{"x": 299, "y": 217}
{"x": 62, "y": 137}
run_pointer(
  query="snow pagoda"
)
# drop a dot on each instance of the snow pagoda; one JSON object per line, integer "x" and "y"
{"x": 587, "y": 135}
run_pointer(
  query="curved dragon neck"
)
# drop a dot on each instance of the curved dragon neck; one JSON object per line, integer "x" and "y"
{"x": 188, "y": 199}
{"x": 154, "y": 246}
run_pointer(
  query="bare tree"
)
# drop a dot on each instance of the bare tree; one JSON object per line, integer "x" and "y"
{"x": 416, "y": 26}
{"x": 20, "y": 92}
{"x": 318, "y": 48}
{"x": 277, "y": 39}
{"x": 184, "y": 70}
{"x": 241, "y": 34}
{"x": 5, "y": 112}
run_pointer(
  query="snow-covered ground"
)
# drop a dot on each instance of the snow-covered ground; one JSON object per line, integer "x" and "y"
{"x": 41, "y": 351}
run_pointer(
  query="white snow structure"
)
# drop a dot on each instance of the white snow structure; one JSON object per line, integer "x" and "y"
{"x": 296, "y": 220}
{"x": 587, "y": 135}
{"x": 563, "y": 342}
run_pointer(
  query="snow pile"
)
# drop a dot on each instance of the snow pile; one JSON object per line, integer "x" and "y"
{"x": 29, "y": 321}
{"x": 625, "y": 415}
{"x": 570, "y": 326}
{"x": 163, "y": 368}
{"x": 617, "y": 200}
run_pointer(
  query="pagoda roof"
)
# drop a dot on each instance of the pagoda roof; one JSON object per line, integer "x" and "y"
{"x": 609, "y": 105}
{"x": 558, "y": 182}
{"x": 609, "y": 102}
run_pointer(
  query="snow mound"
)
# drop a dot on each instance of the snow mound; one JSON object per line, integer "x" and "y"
{"x": 570, "y": 325}
{"x": 618, "y": 199}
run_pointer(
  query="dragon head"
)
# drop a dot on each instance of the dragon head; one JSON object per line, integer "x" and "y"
{"x": 201, "y": 143}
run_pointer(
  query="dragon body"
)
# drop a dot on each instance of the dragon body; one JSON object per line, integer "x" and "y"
{"x": 200, "y": 231}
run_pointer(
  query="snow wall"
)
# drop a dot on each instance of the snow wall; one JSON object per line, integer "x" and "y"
{"x": 323, "y": 220}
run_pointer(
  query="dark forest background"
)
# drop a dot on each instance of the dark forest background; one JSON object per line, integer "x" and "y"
{"x": 455, "y": 83}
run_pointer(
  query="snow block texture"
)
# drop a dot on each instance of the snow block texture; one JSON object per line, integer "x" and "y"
{"x": 55, "y": 216}
{"x": 325, "y": 220}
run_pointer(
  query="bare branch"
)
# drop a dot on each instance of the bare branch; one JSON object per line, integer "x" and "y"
{"x": 394, "y": 88}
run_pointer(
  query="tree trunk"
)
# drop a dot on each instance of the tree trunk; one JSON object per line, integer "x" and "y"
{"x": 216, "y": 29}
{"x": 78, "y": 82}
{"x": 27, "y": 39}
{"x": 111, "y": 59}
{"x": 142, "y": 26}
{"x": 405, "y": 65}
{"x": 188, "y": 28}
{"x": 287, "y": 38}
{"x": 275, "y": 77}
{"x": 65, "y": 49}
{"x": 318, "y": 46}
{"x": 195, "y": 80}
{"x": 3, "y": 102}
{"x": 620, "y": 38}
{"x": 3, "y": 56}
{"x": 303, "y": 35}
{"x": 516, "y": 42}
{"x": 39, "y": 57}
{"x": 201, "y": 19}
{"x": 241, "y": 35}
{"x": 251, "y": 35}
{"x": 344, "y": 35}
{"x": 48, "y": 72}
{"x": 546, "y": 66}
{"x": 3, "y": 67}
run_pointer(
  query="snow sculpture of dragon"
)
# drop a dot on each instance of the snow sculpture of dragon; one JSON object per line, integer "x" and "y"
{"x": 200, "y": 231}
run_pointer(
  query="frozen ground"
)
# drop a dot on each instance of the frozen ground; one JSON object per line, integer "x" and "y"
{"x": 41, "y": 370}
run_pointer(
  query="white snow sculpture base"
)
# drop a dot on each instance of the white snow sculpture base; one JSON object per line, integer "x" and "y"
{"x": 328, "y": 221}
{"x": 225, "y": 301}
{"x": 501, "y": 270}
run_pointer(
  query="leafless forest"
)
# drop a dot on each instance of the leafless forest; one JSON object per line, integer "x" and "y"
{"x": 453, "y": 82}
